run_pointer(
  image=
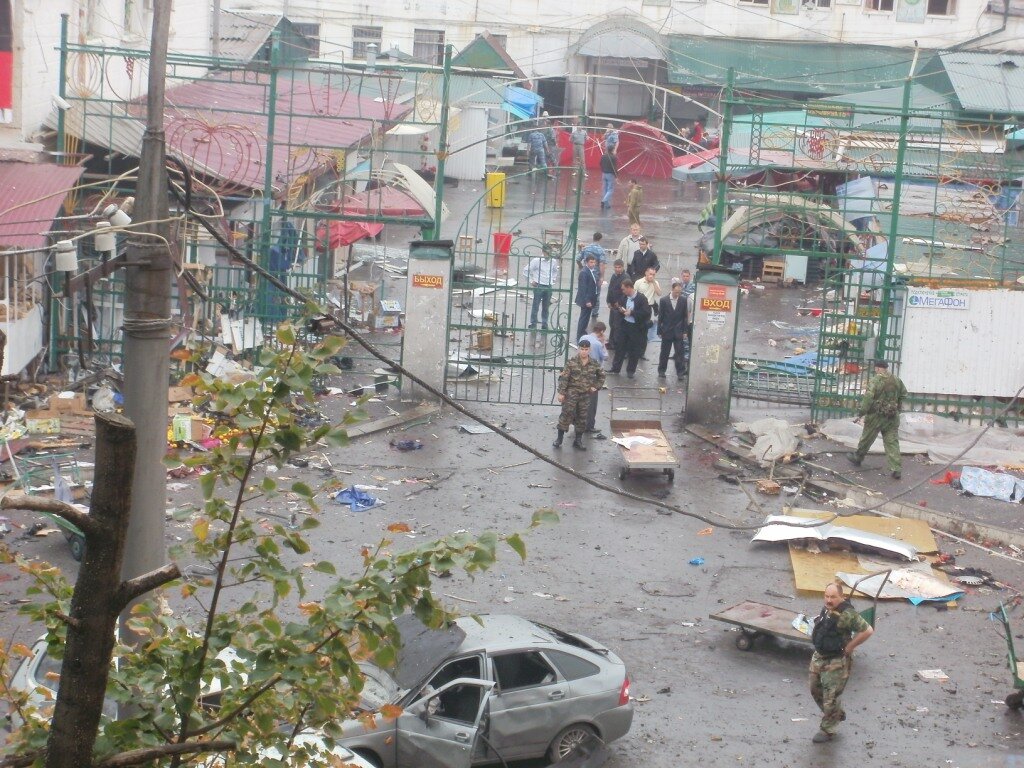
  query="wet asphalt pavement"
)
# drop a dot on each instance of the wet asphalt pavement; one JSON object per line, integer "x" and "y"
{"x": 618, "y": 570}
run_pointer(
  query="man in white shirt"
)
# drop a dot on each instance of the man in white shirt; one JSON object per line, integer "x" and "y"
{"x": 542, "y": 273}
{"x": 651, "y": 289}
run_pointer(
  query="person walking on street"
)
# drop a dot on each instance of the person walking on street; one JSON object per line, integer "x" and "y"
{"x": 643, "y": 257}
{"x": 672, "y": 322}
{"x": 579, "y": 145}
{"x": 690, "y": 294}
{"x": 609, "y": 171}
{"x": 837, "y": 632}
{"x": 538, "y": 151}
{"x": 550, "y": 141}
{"x": 880, "y": 411}
{"x": 651, "y": 289}
{"x": 578, "y": 381}
{"x": 587, "y": 287}
{"x": 598, "y": 353}
{"x": 634, "y": 197}
{"x": 611, "y": 140}
{"x": 597, "y": 250}
{"x": 636, "y": 314}
{"x": 542, "y": 273}
{"x": 615, "y": 298}
{"x": 630, "y": 243}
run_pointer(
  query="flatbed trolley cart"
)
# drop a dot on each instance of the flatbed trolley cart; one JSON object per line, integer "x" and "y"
{"x": 636, "y": 412}
{"x": 761, "y": 620}
{"x": 1014, "y": 700}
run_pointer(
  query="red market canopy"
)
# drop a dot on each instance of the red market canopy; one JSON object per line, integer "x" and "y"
{"x": 344, "y": 233}
{"x": 383, "y": 201}
{"x": 644, "y": 152}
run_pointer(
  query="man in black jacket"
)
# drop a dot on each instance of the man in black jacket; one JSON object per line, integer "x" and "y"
{"x": 672, "y": 322}
{"x": 643, "y": 258}
{"x": 588, "y": 291}
{"x": 615, "y": 297}
{"x": 636, "y": 313}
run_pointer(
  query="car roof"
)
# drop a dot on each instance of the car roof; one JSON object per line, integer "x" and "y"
{"x": 500, "y": 632}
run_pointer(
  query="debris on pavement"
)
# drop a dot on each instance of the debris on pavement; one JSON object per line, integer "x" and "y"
{"x": 475, "y": 429}
{"x": 780, "y": 528}
{"x": 929, "y": 675}
{"x": 996, "y": 485}
{"x": 406, "y": 445}
{"x": 357, "y": 500}
{"x": 697, "y": 561}
{"x": 916, "y": 585}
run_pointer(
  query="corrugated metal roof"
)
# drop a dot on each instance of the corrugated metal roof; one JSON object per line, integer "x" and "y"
{"x": 243, "y": 33}
{"x": 785, "y": 66}
{"x": 921, "y": 98}
{"x": 31, "y": 195}
{"x": 987, "y": 82}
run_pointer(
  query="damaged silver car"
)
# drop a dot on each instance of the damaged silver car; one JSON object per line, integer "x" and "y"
{"x": 509, "y": 689}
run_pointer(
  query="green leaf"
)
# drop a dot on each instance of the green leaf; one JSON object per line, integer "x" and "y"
{"x": 207, "y": 483}
{"x": 325, "y": 566}
{"x": 516, "y": 542}
{"x": 286, "y": 334}
{"x": 302, "y": 489}
{"x": 544, "y": 517}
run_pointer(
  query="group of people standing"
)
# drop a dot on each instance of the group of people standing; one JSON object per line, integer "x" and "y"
{"x": 638, "y": 314}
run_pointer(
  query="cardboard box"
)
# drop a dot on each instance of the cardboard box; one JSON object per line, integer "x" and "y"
{"x": 77, "y": 403}
{"x": 42, "y": 422}
{"x": 179, "y": 394}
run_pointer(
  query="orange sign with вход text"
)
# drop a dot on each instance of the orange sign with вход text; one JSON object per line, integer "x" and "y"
{"x": 428, "y": 281}
{"x": 716, "y": 305}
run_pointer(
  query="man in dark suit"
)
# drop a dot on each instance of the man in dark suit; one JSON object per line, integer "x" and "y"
{"x": 643, "y": 257}
{"x": 636, "y": 313}
{"x": 615, "y": 297}
{"x": 672, "y": 323}
{"x": 587, "y": 292}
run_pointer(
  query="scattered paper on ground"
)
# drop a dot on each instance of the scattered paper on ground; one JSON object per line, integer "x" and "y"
{"x": 629, "y": 442}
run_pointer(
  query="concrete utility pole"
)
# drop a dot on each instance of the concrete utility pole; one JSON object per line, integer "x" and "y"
{"x": 147, "y": 322}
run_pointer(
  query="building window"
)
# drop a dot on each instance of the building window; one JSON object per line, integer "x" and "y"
{"x": 819, "y": 3}
{"x": 362, "y": 37}
{"x": 755, "y": 2}
{"x": 428, "y": 45}
{"x": 501, "y": 40}
{"x": 942, "y": 7}
{"x": 311, "y": 44}
{"x": 878, "y": 5}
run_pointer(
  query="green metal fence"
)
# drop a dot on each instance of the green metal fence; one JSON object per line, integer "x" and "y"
{"x": 866, "y": 196}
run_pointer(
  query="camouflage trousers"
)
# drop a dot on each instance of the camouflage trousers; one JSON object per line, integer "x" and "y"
{"x": 575, "y": 409}
{"x": 889, "y": 426}
{"x": 828, "y": 678}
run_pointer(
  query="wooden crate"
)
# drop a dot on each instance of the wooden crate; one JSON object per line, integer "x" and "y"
{"x": 773, "y": 270}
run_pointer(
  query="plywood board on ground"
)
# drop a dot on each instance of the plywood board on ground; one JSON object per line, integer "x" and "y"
{"x": 658, "y": 453}
{"x": 813, "y": 570}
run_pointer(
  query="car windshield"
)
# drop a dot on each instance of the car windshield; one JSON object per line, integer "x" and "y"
{"x": 379, "y": 688}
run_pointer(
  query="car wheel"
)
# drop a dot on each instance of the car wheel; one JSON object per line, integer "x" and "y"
{"x": 369, "y": 757}
{"x": 567, "y": 740}
{"x": 77, "y": 544}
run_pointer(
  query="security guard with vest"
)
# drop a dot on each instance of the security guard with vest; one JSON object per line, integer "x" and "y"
{"x": 838, "y": 630}
{"x": 880, "y": 410}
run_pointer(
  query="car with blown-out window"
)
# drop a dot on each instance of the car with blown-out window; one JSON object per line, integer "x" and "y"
{"x": 486, "y": 689}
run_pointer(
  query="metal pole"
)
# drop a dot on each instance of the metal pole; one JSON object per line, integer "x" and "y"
{"x": 442, "y": 143}
{"x": 897, "y": 190}
{"x": 147, "y": 322}
{"x": 723, "y": 155}
{"x": 215, "y": 30}
{"x": 62, "y": 158}
{"x": 266, "y": 235}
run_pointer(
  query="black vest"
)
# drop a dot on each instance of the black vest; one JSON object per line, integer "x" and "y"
{"x": 827, "y": 639}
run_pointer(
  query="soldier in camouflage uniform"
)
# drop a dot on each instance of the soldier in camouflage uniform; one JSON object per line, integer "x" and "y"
{"x": 838, "y": 630}
{"x": 580, "y": 379}
{"x": 880, "y": 411}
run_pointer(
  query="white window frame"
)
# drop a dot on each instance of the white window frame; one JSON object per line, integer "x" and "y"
{"x": 419, "y": 46}
{"x": 360, "y": 39}
{"x": 869, "y": 9}
{"x": 950, "y": 14}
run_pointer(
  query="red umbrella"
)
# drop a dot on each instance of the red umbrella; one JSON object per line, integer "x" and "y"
{"x": 644, "y": 151}
{"x": 693, "y": 159}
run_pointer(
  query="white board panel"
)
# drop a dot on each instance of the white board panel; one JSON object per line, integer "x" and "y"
{"x": 965, "y": 352}
{"x": 468, "y": 146}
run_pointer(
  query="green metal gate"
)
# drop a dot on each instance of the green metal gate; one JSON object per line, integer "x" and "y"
{"x": 495, "y": 353}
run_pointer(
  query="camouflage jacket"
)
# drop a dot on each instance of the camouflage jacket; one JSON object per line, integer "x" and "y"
{"x": 884, "y": 396}
{"x": 578, "y": 378}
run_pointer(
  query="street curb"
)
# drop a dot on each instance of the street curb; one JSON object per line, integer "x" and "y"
{"x": 943, "y": 521}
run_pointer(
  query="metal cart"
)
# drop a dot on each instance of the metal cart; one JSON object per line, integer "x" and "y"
{"x": 1014, "y": 700}
{"x": 636, "y": 413}
{"x": 761, "y": 620}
